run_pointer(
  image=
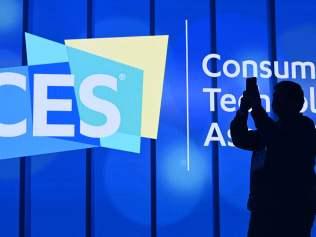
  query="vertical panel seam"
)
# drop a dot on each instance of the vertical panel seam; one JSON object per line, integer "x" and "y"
{"x": 272, "y": 40}
{"x": 25, "y": 163}
{"x": 153, "y": 148}
{"x": 89, "y": 152}
{"x": 89, "y": 203}
{"x": 215, "y": 145}
{"x": 153, "y": 170}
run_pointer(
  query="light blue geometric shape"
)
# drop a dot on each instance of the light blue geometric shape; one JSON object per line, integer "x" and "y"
{"x": 31, "y": 146}
{"x": 115, "y": 142}
{"x": 127, "y": 98}
{"x": 21, "y": 108}
{"x": 43, "y": 51}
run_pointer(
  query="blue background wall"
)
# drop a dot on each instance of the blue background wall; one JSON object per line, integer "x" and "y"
{"x": 101, "y": 192}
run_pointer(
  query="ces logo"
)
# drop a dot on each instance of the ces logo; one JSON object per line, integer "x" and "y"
{"x": 42, "y": 105}
{"x": 87, "y": 93}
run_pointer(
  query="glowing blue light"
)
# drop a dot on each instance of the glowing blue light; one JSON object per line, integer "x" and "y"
{"x": 174, "y": 171}
{"x": 178, "y": 191}
{"x": 9, "y": 16}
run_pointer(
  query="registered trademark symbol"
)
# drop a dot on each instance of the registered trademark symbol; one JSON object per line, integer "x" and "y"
{"x": 122, "y": 76}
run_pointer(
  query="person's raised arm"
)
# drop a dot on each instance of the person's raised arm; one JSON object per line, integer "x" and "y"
{"x": 242, "y": 137}
{"x": 264, "y": 124}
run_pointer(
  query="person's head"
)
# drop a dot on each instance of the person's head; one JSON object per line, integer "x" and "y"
{"x": 288, "y": 99}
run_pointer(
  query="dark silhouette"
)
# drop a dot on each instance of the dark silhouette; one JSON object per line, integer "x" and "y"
{"x": 282, "y": 185}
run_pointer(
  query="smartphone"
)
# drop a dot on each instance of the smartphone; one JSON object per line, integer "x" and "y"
{"x": 251, "y": 85}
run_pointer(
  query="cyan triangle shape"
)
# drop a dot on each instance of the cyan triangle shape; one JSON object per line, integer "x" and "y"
{"x": 43, "y": 51}
{"x": 128, "y": 99}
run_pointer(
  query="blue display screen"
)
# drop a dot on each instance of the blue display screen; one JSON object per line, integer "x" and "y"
{"x": 182, "y": 184}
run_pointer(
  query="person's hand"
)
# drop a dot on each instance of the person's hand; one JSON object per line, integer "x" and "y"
{"x": 245, "y": 103}
{"x": 253, "y": 98}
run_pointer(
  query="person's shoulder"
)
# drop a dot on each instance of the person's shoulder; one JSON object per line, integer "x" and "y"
{"x": 308, "y": 122}
{"x": 308, "y": 128}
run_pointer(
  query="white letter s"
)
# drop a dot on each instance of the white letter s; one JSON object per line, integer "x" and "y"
{"x": 106, "y": 108}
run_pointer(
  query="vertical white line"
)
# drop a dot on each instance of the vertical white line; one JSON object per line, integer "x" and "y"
{"x": 187, "y": 92}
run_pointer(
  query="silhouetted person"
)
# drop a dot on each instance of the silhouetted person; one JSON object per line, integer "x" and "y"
{"x": 281, "y": 200}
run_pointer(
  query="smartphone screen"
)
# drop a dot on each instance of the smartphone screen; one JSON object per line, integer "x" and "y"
{"x": 251, "y": 84}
